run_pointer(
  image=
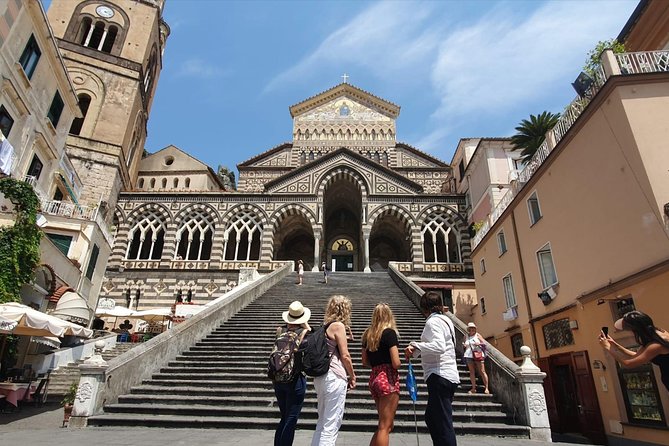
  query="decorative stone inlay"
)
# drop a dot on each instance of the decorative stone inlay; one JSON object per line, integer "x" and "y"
{"x": 415, "y": 207}
{"x": 222, "y": 206}
{"x": 108, "y": 286}
{"x": 84, "y": 392}
{"x": 269, "y": 207}
{"x": 536, "y": 402}
{"x": 128, "y": 205}
{"x": 175, "y": 205}
{"x": 211, "y": 287}
{"x": 160, "y": 286}
{"x": 444, "y": 267}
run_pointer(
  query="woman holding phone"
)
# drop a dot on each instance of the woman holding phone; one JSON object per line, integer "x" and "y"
{"x": 653, "y": 341}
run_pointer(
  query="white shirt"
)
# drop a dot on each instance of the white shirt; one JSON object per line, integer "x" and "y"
{"x": 437, "y": 350}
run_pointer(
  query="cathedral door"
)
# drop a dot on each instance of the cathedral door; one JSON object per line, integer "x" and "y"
{"x": 342, "y": 215}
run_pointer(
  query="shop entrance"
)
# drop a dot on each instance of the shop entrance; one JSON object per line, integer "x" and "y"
{"x": 571, "y": 396}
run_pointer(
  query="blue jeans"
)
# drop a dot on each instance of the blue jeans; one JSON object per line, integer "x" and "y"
{"x": 290, "y": 397}
{"x": 439, "y": 412}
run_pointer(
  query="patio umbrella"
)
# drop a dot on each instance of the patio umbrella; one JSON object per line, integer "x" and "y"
{"x": 30, "y": 322}
{"x": 154, "y": 314}
{"x": 117, "y": 311}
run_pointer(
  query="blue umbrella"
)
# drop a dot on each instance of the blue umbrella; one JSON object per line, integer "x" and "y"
{"x": 413, "y": 394}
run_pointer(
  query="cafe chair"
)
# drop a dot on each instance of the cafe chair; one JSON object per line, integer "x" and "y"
{"x": 39, "y": 397}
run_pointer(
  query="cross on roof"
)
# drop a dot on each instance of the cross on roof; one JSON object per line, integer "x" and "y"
{"x": 345, "y": 77}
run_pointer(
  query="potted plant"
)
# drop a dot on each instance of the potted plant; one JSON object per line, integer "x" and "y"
{"x": 68, "y": 402}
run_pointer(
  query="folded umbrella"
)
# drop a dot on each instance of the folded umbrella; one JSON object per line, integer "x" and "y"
{"x": 413, "y": 394}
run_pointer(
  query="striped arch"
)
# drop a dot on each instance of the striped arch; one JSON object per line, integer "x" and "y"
{"x": 201, "y": 207}
{"x": 119, "y": 213}
{"x": 230, "y": 214}
{"x": 346, "y": 173}
{"x": 291, "y": 209}
{"x": 157, "y": 208}
{"x": 454, "y": 217}
{"x": 394, "y": 210}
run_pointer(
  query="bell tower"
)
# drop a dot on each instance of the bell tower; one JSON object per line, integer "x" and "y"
{"x": 113, "y": 52}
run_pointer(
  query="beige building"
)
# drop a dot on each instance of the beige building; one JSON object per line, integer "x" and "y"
{"x": 38, "y": 104}
{"x": 582, "y": 237}
{"x": 484, "y": 170}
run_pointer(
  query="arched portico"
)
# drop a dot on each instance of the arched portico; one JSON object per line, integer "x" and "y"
{"x": 294, "y": 237}
{"x": 390, "y": 237}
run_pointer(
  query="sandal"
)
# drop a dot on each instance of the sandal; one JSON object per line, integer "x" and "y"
{"x": 486, "y": 391}
{"x": 473, "y": 391}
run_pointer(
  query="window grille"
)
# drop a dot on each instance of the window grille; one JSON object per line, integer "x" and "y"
{"x": 242, "y": 237}
{"x": 440, "y": 240}
{"x": 147, "y": 238}
{"x": 558, "y": 334}
{"x": 194, "y": 237}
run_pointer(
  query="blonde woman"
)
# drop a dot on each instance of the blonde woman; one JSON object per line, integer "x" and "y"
{"x": 331, "y": 387}
{"x": 380, "y": 352}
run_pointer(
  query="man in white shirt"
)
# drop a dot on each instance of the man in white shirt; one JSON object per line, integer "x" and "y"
{"x": 437, "y": 352}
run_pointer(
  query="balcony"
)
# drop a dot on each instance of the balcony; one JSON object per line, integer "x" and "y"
{"x": 612, "y": 65}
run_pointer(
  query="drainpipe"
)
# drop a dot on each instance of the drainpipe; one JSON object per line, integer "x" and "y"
{"x": 533, "y": 334}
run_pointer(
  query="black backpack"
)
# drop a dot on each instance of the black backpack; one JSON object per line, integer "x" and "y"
{"x": 283, "y": 365}
{"x": 315, "y": 353}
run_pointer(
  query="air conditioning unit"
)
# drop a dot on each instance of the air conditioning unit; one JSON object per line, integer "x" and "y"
{"x": 547, "y": 295}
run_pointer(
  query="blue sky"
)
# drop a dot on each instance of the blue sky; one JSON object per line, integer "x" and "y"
{"x": 458, "y": 69}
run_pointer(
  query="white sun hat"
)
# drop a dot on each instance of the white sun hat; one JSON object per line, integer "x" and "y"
{"x": 297, "y": 313}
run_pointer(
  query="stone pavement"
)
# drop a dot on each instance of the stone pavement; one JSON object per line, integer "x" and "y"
{"x": 41, "y": 426}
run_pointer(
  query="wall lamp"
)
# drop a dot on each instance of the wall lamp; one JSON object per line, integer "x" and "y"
{"x": 612, "y": 299}
{"x": 597, "y": 364}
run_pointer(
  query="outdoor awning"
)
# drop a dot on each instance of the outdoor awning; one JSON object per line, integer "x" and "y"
{"x": 30, "y": 322}
{"x": 50, "y": 341}
{"x": 74, "y": 308}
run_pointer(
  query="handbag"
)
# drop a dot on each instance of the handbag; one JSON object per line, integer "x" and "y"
{"x": 477, "y": 355}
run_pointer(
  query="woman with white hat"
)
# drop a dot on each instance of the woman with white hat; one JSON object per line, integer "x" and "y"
{"x": 654, "y": 344}
{"x": 475, "y": 357}
{"x": 290, "y": 395}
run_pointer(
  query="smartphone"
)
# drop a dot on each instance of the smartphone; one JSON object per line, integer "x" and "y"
{"x": 605, "y": 330}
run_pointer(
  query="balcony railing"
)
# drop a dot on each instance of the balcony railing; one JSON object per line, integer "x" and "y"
{"x": 627, "y": 63}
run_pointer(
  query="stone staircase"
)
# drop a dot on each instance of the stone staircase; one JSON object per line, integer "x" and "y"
{"x": 220, "y": 382}
{"x": 63, "y": 377}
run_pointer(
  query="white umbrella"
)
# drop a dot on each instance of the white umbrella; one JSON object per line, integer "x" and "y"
{"x": 117, "y": 311}
{"x": 30, "y": 322}
{"x": 154, "y": 314}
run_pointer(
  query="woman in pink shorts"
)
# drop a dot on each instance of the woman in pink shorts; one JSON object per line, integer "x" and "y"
{"x": 380, "y": 352}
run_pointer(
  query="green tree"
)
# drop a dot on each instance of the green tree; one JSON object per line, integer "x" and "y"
{"x": 593, "y": 60}
{"x": 19, "y": 244}
{"x": 531, "y": 133}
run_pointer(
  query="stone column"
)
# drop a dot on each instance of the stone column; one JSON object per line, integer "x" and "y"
{"x": 92, "y": 381}
{"x": 609, "y": 63}
{"x": 317, "y": 252}
{"x": 531, "y": 378}
{"x": 365, "y": 235}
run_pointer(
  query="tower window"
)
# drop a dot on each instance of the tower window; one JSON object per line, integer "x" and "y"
{"x": 30, "y": 57}
{"x": 98, "y": 36}
{"x": 56, "y": 109}
{"x": 6, "y": 121}
{"x": 78, "y": 123}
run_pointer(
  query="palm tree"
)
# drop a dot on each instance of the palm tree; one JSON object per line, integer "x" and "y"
{"x": 532, "y": 132}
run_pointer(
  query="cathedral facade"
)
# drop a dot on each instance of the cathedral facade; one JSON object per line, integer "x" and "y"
{"x": 343, "y": 192}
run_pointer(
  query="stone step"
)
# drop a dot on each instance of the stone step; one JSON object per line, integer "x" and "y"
{"x": 236, "y": 422}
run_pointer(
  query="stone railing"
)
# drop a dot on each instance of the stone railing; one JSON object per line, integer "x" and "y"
{"x": 612, "y": 64}
{"x": 102, "y": 383}
{"x": 518, "y": 388}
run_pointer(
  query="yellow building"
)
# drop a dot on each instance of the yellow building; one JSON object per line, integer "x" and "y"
{"x": 582, "y": 236}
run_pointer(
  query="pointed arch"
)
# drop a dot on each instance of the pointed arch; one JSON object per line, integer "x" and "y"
{"x": 345, "y": 173}
{"x": 242, "y": 236}
{"x": 444, "y": 235}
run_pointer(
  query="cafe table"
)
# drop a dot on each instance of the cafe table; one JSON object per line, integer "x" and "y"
{"x": 15, "y": 391}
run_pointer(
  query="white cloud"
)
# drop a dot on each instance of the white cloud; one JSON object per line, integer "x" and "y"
{"x": 480, "y": 69}
{"x": 198, "y": 68}
{"x": 502, "y": 61}
{"x": 383, "y": 38}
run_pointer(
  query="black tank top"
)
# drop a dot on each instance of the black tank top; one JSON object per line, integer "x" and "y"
{"x": 662, "y": 361}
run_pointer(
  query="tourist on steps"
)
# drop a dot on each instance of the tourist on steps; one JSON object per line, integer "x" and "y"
{"x": 290, "y": 395}
{"x": 331, "y": 388}
{"x": 437, "y": 352}
{"x": 300, "y": 272}
{"x": 475, "y": 357}
{"x": 380, "y": 352}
